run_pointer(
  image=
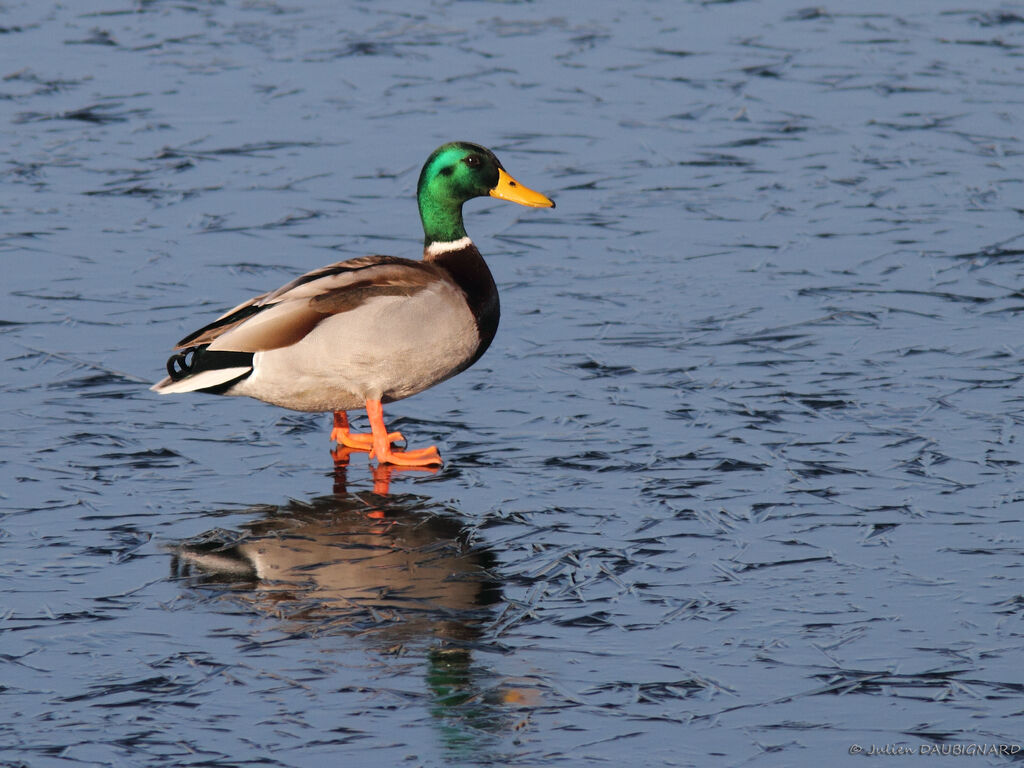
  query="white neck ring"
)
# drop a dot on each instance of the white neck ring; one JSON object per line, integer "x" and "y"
{"x": 437, "y": 248}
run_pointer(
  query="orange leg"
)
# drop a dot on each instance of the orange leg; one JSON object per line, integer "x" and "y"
{"x": 356, "y": 442}
{"x": 424, "y": 457}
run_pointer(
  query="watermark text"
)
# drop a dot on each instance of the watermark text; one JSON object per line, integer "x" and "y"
{"x": 945, "y": 750}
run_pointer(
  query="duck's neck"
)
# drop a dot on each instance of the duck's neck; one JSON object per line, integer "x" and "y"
{"x": 460, "y": 259}
{"x": 441, "y": 217}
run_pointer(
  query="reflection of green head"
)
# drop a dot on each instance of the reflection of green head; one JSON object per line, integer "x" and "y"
{"x": 466, "y": 710}
{"x": 453, "y": 174}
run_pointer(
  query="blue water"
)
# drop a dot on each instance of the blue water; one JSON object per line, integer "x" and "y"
{"x": 736, "y": 484}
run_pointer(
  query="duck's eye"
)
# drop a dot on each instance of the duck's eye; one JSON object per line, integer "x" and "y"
{"x": 473, "y": 161}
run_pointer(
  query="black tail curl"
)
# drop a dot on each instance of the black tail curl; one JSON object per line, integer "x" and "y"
{"x": 183, "y": 363}
{"x": 197, "y": 359}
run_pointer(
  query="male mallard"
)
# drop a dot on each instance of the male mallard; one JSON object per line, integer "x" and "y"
{"x": 369, "y": 330}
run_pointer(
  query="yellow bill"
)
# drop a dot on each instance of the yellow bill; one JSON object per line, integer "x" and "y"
{"x": 509, "y": 189}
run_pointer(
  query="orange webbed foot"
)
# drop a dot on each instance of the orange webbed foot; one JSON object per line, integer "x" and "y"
{"x": 362, "y": 442}
{"x": 357, "y": 442}
{"x": 422, "y": 457}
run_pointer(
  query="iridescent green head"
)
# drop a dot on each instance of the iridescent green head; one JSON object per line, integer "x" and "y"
{"x": 457, "y": 172}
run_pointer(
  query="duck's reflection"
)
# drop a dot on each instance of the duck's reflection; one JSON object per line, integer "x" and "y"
{"x": 402, "y": 572}
{"x": 394, "y": 565}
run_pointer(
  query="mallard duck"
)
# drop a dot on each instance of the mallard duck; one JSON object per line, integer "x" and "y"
{"x": 370, "y": 330}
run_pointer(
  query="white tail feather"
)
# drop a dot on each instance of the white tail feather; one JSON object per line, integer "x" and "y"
{"x": 200, "y": 380}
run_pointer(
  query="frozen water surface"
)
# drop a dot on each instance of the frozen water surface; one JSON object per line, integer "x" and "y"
{"x": 738, "y": 482}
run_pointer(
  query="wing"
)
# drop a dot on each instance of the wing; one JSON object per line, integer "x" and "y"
{"x": 366, "y": 274}
{"x": 288, "y": 314}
